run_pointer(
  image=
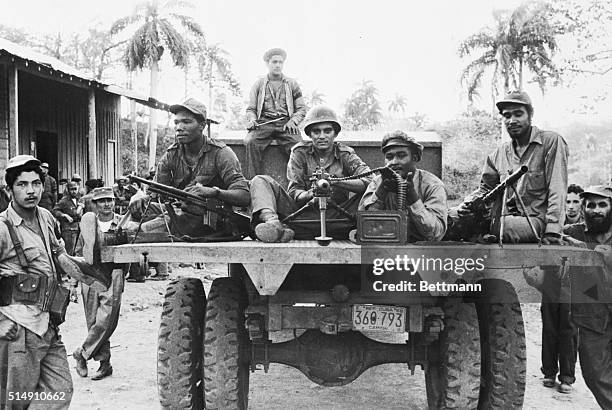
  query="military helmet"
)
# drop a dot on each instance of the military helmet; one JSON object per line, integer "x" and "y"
{"x": 321, "y": 113}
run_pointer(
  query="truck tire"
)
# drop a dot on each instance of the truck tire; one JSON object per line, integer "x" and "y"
{"x": 452, "y": 381}
{"x": 227, "y": 348}
{"x": 179, "y": 345}
{"x": 503, "y": 351}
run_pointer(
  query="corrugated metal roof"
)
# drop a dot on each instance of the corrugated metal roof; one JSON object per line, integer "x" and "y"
{"x": 26, "y": 53}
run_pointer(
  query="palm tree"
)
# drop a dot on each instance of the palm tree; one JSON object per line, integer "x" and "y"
{"x": 213, "y": 65}
{"x": 521, "y": 39}
{"x": 316, "y": 98}
{"x": 397, "y": 104}
{"x": 363, "y": 108}
{"x": 153, "y": 31}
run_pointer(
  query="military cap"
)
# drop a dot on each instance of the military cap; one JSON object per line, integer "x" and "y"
{"x": 20, "y": 160}
{"x": 76, "y": 177}
{"x": 599, "y": 190}
{"x": 102, "y": 193}
{"x": 192, "y": 105}
{"x": 44, "y": 165}
{"x": 274, "y": 52}
{"x": 401, "y": 139}
{"x": 514, "y": 97}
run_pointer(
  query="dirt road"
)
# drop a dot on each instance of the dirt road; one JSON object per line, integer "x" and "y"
{"x": 133, "y": 384}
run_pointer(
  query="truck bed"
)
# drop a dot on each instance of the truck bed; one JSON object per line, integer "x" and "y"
{"x": 269, "y": 264}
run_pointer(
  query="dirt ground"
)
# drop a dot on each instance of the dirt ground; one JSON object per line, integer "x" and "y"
{"x": 133, "y": 384}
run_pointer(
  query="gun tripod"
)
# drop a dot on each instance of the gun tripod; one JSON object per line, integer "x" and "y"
{"x": 322, "y": 190}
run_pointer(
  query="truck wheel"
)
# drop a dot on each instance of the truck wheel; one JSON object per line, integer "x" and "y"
{"x": 179, "y": 345}
{"x": 503, "y": 351}
{"x": 452, "y": 380}
{"x": 227, "y": 348}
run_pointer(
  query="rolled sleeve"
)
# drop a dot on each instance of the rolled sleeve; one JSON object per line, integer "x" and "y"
{"x": 429, "y": 213}
{"x": 369, "y": 200}
{"x": 556, "y": 180}
{"x": 229, "y": 170}
{"x": 357, "y": 166}
{"x": 251, "y": 110}
{"x": 298, "y": 179}
{"x": 298, "y": 103}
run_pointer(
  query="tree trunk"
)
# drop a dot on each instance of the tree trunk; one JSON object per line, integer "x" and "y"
{"x": 521, "y": 73}
{"x": 153, "y": 115}
{"x": 210, "y": 88}
{"x": 133, "y": 126}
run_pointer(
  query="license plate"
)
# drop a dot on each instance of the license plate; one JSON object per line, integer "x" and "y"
{"x": 378, "y": 317}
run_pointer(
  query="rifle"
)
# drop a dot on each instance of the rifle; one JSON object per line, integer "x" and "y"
{"x": 241, "y": 221}
{"x": 479, "y": 222}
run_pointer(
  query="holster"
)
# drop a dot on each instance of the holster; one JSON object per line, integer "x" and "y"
{"x": 39, "y": 290}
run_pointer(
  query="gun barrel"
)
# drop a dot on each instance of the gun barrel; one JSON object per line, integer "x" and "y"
{"x": 179, "y": 194}
{"x": 512, "y": 178}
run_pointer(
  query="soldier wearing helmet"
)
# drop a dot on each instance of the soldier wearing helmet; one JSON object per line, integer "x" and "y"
{"x": 424, "y": 193}
{"x": 542, "y": 190}
{"x": 270, "y": 201}
{"x": 276, "y": 109}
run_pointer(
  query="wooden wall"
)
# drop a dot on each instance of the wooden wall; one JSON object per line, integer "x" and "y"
{"x": 55, "y": 107}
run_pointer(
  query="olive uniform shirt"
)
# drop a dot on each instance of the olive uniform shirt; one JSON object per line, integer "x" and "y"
{"x": 426, "y": 217}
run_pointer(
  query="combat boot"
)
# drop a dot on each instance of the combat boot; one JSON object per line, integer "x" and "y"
{"x": 103, "y": 371}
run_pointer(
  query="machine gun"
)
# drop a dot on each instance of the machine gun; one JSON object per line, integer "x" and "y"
{"x": 237, "y": 224}
{"x": 321, "y": 185}
{"x": 478, "y": 222}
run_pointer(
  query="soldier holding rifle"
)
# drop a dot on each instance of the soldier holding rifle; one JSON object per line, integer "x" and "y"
{"x": 200, "y": 166}
{"x": 276, "y": 109}
{"x": 539, "y": 194}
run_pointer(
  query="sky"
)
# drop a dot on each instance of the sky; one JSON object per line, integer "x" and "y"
{"x": 404, "y": 47}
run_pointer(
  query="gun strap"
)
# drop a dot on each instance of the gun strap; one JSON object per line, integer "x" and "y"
{"x": 16, "y": 244}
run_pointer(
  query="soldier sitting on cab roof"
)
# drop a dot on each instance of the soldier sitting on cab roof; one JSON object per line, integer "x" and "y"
{"x": 269, "y": 199}
{"x": 424, "y": 193}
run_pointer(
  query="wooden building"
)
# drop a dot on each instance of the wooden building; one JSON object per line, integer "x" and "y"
{"x": 52, "y": 111}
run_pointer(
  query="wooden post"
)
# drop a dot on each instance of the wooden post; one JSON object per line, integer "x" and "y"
{"x": 92, "y": 147}
{"x": 13, "y": 123}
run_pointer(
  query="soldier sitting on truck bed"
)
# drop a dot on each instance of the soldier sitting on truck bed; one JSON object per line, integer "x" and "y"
{"x": 269, "y": 199}
{"x": 198, "y": 165}
{"x": 542, "y": 190}
{"x": 424, "y": 193}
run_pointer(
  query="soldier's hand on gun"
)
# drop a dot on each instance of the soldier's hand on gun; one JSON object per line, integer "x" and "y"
{"x": 251, "y": 125}
{"x": 201, "y": 190}
{"x": 291, "y": 127}
{"x": 8, "y": 329}
{"x": 305, "y": 196}
{"x": 137, "y": 205}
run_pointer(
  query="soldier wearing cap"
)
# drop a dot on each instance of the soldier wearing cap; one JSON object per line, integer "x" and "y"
{"x": 270, "y": 201}
{"x": 595, "y": 319}
{"x": 49, "y": 196}
{"x": 425, "y": 195}
{"x": 32, "y": 355}
{"x": 101, "y": 308}
{"x": 68, "y": 212}
{"x": 276, "y": 109}
{"x": 199, "y": 165}
{"x": 542, "y": 190}
{"x": 76, "y": 178}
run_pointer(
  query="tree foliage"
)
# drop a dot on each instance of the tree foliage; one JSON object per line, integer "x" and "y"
{"x": 397, "y": 104}
{"x": 522, "y": 40}
{"x": 362, "y": 109}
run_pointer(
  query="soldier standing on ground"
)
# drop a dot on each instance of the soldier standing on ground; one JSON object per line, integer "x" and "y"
{"x": 542, "y": 190}
{"x": 595, "y": 319}
{"x": 68, "y": 212}
{"x": 32, "y": 355}
{"x": 425, "y": 197}
{"x": 276, "y": 100}
{"x": 49, "y": 196}
{"x": 101, "y": 308}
